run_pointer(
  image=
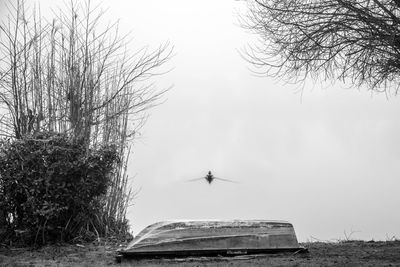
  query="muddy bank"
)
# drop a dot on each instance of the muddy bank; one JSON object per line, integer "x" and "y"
{"x": 351, "y": 253}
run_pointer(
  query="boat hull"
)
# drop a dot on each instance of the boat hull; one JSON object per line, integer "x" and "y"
{"x": 189, "y": 238}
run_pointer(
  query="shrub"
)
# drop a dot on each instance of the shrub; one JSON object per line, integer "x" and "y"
{"x": 51, "y": 187}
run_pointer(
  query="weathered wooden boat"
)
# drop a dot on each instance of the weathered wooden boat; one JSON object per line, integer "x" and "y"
{"x": 207, "y": 238}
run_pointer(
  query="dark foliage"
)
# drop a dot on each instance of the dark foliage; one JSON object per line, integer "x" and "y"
{"x": 51, "y": 188}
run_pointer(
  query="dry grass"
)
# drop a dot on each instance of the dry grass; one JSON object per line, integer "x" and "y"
{"x": 356, "y": 253}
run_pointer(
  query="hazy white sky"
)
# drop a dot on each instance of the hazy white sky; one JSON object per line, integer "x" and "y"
{"x": 328, "y": 162}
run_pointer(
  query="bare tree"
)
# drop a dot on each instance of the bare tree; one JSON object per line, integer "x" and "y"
{"x": 74, "y": 74}
{"x": 356, "y": 40}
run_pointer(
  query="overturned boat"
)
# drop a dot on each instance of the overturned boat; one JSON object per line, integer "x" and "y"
{"x": 208, "y": 238}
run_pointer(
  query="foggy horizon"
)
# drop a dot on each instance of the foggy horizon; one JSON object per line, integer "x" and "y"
{"x": 322, "y": 155}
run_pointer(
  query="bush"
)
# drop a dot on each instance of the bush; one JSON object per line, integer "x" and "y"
{"x": 51, "y": 187}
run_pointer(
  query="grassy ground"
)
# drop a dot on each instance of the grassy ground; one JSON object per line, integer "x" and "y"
{"x": 350, "y": 253}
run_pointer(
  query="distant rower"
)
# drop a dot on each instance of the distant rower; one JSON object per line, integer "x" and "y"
{"x": 210, "y": 178}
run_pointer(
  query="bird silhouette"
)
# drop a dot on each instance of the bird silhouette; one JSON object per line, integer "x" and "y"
{"x": 210, "y": 178}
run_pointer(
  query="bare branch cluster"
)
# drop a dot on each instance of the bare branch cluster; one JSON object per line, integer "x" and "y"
{"x": 73, "y": 74}
{"x": 356, "y": 40}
